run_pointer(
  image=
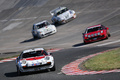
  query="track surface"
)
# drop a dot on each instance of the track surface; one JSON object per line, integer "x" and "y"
{"x": 18, "y": 16}
{"x": 8, "y": 69}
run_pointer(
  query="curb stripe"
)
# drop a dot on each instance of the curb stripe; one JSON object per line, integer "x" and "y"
{"x": 73, "y": 69}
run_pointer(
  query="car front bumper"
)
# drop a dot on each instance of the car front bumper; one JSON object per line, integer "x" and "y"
{"x": 93, "y": 39}
{"x": 36, "y": 68}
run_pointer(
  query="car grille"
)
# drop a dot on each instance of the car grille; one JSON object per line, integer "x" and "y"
{"x": 48, "y": 33}
{"x": 96, "y": 37}
{"x": 38, "y": 66}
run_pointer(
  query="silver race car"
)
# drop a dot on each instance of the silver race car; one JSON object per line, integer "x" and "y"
{"x": 34, "y": 60}
{"x": 43, "y": 29}
{"x": 62, "y": 15}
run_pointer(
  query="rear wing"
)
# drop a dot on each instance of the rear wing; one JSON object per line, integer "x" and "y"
{"x": 53, "y": 12}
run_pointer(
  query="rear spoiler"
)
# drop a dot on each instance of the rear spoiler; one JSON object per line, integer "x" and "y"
{"x": 52, "y": 12}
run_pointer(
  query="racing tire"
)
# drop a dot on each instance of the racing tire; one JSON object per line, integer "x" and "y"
{"x": 109, "y": 35}
{"x": 53, "y": 68}
{"x": 53, "y": 22}
{"x": 39, "y": 37}
{"x": 19, "y": 72}
{"x": 34, "y": 37}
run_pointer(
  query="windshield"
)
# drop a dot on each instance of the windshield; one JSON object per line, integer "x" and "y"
{"x": 42, "y": 25}
{"x": 61, "y": 11}
{"x": 94, "y": 29}
{"x": 34, "y": 54}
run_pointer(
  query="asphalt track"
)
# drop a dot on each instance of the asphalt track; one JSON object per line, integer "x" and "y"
{"x": 18, "y": 16}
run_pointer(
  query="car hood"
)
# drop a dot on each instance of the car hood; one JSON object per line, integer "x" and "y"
{"x": 35, "y": 61}
{"x": 45, "y": 29}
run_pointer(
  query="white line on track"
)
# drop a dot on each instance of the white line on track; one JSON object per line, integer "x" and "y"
{"x": 23, "y": 19}
{"x": 59, "y": 73}
{"x": 19, "y": 19}
{"x": 115, "y": 32}
{"x": 109, "y": 43}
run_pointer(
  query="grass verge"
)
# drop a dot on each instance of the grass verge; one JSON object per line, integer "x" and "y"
{"x": 9, "y": 57}
{"x": 107, "y": 61}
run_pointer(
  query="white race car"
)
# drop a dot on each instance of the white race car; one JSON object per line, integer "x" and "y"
{"x": 34, "y": 60}
{"x": 62, "y": 15}
{"x": 43, "y": 29}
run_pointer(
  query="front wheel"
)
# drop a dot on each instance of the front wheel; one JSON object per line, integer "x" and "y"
{"x": 53, "y": 68}
{"x": 108, "y": 33}
{"x": 18, "y": 71}
{"x": 35, "y": 37}
{"x": 106, "y": 36}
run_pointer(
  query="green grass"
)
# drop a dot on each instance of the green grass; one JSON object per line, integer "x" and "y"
{"x": 107, "y": 61}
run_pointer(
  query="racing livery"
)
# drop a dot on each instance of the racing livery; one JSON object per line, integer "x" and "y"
{"x": 43, "y": 29}
{"x": 34, "y": 60}
{"x": 62, "y": 15}
{"x": 95, "y": 33}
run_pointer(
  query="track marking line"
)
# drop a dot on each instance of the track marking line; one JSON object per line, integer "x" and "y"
{"x": 12, "y": 26}
{"x": 109, "y": 43}
{"x": 115, "y": 32}
{"x": 59, "y": 73}
{"x": 19, "y": 19}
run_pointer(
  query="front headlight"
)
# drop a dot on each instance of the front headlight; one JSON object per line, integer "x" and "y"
{"x": 47, "y": 58}
{"x": 101, "y": 31}
{"x": 23, "y": 61}
{"x": 92, "y": 35}
{"x": 89, "y": 36}
{"x": 85, "y": 35}
{"x": 98, "y": 33}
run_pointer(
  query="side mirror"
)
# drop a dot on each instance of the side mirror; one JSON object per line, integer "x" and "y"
{"x": 50, "y": 53}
